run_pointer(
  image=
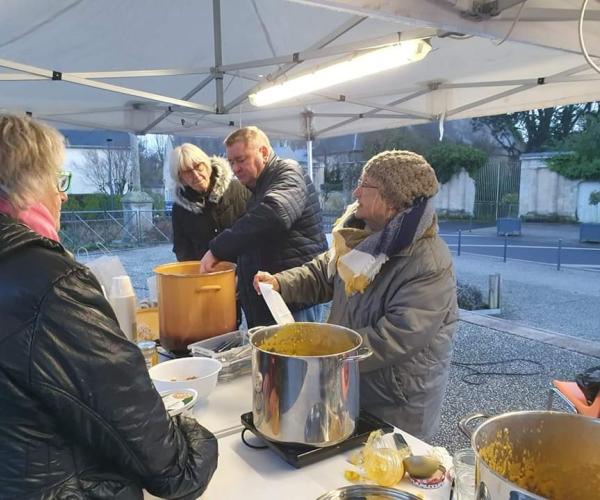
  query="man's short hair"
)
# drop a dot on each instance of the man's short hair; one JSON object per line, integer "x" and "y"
{"x": 248, "y": 135}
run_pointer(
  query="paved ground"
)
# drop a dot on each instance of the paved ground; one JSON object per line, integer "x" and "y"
{"x": 566, "y": 301}
{"x": 538, "y": 303}
{"x": 538, "y": 243}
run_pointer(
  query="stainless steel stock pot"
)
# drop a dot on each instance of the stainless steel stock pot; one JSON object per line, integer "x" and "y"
{"x": 529, "y": 455}
{"x": 306, "y": 382}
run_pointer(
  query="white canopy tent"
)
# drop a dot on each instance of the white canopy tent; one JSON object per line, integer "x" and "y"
{"x": 187, "y": 66}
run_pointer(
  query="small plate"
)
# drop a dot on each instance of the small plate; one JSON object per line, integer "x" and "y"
{"x": 178, "y": 401}
{"x": 372, "y": 492}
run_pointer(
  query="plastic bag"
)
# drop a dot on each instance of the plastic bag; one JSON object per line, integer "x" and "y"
{"x": 589, "y": 383}
{"x": 105, "y": 268}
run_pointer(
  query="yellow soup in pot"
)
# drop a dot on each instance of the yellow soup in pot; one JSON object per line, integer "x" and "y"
{"x": 306, "y": 340}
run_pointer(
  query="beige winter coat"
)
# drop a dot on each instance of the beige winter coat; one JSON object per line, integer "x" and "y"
{"x": 407, "y": 316}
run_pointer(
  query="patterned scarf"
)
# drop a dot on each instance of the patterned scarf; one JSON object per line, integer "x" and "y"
{"x": 357, "y": 253}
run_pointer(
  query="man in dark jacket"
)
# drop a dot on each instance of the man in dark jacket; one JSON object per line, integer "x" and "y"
{"x": 207, "y": 200}
{"x": 79, "y": 416}
{"x": 282, "y": 225}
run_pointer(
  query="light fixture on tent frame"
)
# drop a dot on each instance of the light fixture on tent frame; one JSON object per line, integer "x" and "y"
{"x": 357, "y": 66}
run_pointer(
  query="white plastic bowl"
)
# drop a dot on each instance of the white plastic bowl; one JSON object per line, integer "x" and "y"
{"x": 180, "y": 373}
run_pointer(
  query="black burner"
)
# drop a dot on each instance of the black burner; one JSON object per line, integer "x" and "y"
{"x": 163, "y": 351}
{"x": 300, "y": 455}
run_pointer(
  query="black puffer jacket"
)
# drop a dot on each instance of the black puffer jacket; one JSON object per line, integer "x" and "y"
{"x": 281, "y": 229}
{"x": 79, "y": 416}
{"x": 198, "y": 218}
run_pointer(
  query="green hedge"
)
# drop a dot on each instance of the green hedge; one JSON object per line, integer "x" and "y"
{"x": 448, "y": 158}
{"x": 583, "y": 159}
{"x": 93, "y": 201}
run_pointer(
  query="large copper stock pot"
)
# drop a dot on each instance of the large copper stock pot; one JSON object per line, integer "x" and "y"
{"x": 194, "y": 305}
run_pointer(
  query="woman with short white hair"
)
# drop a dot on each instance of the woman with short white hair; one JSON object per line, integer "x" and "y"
{"x": 208, "y": 200}
{"x": 79, "y": 416}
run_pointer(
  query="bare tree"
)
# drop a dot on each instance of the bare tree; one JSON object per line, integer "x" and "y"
{"x": 153, "y": 151}
{"x": 110, "y": 171}
{"x": 537, "y": 129}
{"x": 160, "y": 144}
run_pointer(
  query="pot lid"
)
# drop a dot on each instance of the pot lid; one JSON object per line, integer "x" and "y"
{"x": 361, "y": 491}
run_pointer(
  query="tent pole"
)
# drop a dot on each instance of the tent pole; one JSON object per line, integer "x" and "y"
{"x": 218, "y": 55}
{"x": 308, "y": 118}
{"x": 187, "y": 96}
{"x": 309, "y": 158}
{"x": 135, "y": 162}
{"x": 67, "y": 77}
{"x": 375, "y": 111}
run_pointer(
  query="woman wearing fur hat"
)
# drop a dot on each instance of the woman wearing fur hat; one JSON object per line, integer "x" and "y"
{"x": 390, "y": 278}
{"x": 207, "y": 200}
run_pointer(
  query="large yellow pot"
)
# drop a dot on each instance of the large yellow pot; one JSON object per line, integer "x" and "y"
{"x": 194, "y": 305}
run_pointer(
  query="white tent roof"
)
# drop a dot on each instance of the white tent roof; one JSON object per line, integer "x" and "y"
{"x": 151, "y": 65}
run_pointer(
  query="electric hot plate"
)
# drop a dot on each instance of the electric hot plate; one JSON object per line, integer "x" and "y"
{"x": 300, "y": 455}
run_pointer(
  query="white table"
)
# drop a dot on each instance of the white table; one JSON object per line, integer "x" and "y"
{"x": 221, "y": 412}
{"x": 244, "y": 472}
{"x": 262, "y": 475}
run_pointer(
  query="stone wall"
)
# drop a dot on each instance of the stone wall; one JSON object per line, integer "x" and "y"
{"x": 545, "y": 194}
{"x": 457, "y": 196}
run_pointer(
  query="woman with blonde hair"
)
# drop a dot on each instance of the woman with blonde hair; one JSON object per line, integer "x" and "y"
{"x": 79, "y": 416}
{"x": 208, "y": 200}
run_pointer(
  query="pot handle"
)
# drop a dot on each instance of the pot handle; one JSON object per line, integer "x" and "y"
{"x": 362, "y": 353}
{"x": 207, "y": 288}
{"x": 463, "y": 425}
{"x": 253, "y": 330}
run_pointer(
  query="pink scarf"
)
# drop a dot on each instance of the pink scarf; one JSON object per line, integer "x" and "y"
{"x": 37, "y": 217}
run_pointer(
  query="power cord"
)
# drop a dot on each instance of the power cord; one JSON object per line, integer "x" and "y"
{"x": 476, "y": 375}
{"x": 512, "y": 27}
{"x": 584, "y": 50}
{"x": 249, "y": 445}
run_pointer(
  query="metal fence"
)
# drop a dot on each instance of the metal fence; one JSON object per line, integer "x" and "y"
{"x": 497, "y": 186}
{"x": 106, "y": 229}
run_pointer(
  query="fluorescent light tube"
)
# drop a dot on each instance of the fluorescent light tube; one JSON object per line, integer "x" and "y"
{"x": 363, "y": 64}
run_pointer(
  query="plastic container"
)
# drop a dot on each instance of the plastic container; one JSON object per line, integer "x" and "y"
{"x": 123, "y": 301}
{"x": 231, "y": 349}
{"x": 148, "y": 348}
{"x": 147, "y": 323}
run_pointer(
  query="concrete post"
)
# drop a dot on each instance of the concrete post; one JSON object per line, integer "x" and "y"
{"x": 494, "y": 291}
{"x": 137, "y": 206}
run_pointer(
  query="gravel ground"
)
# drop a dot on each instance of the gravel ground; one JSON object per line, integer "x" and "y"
{"x": 498, "y": 394}
{"x": 566, "y": 301}
{"x": 535, "y": 295}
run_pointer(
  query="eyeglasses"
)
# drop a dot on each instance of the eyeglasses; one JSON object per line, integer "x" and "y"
{"x": 195, "y": 169}
{"x": 363, "y": 185}
{"x": 63, "y": 182}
